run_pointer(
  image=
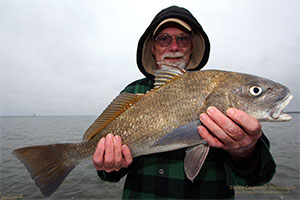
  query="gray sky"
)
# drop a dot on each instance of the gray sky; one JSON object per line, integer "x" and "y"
{"x": 73, "y": 57}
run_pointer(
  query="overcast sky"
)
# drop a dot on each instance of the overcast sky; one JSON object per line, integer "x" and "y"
{"x": 73, "y": 57}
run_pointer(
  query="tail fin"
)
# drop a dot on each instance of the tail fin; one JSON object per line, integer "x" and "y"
{"x": 47, "y": 164}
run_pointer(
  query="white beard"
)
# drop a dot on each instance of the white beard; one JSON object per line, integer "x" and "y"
{"x": 167, "y": 65}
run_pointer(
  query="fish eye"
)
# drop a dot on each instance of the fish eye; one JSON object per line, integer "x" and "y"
{"x": 255, "y": 90}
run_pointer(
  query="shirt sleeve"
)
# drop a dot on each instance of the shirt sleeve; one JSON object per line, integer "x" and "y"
{"x": 112, "y": 176}
{"x": 259, "y": 175}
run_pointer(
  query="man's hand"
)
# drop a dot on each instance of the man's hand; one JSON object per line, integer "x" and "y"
{"x": 110, "y": 155}
{"x": 237, "y": 134}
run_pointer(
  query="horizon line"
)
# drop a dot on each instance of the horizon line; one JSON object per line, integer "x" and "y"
{"x": 78, "y": 115}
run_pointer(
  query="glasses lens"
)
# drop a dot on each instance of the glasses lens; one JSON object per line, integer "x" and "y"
{"x": 164, "y": 40}
{"x": 183, "y": 41}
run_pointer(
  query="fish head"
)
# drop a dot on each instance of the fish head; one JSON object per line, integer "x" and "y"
{"x": 261, "y": 98}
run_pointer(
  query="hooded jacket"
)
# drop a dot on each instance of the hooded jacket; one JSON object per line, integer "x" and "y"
{"x": 201, "y": 45}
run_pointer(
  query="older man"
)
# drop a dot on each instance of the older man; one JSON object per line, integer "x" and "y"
{"x": 240, "y": 154}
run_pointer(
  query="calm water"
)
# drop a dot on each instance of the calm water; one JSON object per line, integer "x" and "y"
{"x": 83, "y": 183}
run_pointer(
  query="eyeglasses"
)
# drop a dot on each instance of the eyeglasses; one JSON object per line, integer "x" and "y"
{"x": 166, "y": 39}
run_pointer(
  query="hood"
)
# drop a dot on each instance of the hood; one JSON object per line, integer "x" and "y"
{"x": 201, "y": 45}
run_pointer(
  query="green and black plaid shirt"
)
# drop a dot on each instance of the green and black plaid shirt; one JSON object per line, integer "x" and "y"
{"x": 161, "y": 176}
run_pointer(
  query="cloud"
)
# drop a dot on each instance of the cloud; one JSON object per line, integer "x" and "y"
{"x": 63, "y": 57}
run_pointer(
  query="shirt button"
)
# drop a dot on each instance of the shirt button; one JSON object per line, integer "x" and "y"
{"x": 161, "y": 171}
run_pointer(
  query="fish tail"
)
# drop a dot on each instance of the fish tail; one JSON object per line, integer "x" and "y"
{"x": 48, "y": 165}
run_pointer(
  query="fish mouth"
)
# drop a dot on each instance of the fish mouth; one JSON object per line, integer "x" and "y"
{"x": 276, "y": 112}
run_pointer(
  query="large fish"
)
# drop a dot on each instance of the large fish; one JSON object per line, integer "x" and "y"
{"x": 163, "y": 119}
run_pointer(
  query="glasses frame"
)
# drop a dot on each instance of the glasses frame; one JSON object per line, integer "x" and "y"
{"x": 177, "y": 37}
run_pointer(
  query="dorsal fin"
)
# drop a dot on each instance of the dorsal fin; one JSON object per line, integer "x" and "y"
{"x": 163, "y": 76}
{"x": 113, "y": 110}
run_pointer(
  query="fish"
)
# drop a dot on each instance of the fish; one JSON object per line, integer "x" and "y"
{"x": 163, "y": 119}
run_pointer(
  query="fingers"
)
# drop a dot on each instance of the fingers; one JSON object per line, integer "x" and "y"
{"x": 127, "y": 156}
{"x": 110, "y": 155}
{"x": 118, "y": 153}
{"x": 250, "y": 124}
{"x": 221, "y": 126}
{"x": 98, "y": 155}
{"x": 236, "y": 132}
{"x": 211, "y": 140}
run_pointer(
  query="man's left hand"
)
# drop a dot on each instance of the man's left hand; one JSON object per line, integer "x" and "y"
{"x": 236, "y": 133}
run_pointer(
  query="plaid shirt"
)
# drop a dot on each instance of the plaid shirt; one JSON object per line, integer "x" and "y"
{"x": 161, "y": 175}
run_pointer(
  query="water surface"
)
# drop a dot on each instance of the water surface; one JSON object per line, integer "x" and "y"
{"x": 83, "y": 182}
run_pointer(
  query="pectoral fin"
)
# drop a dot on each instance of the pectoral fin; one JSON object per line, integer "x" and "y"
{"x": 187, "y": 134}
{"x": 194, "y": 159}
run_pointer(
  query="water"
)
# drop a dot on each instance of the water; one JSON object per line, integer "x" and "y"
{"x": 83, "y": 182}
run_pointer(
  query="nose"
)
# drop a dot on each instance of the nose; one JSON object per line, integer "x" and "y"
{"x": 174, "y": 45}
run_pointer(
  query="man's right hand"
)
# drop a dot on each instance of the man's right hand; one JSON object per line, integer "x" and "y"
{"x": 110, "y": 155}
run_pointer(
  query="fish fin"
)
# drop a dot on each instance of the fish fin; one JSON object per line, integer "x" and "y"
{"x": 194, "y": 159}
{"x": 47, "y": 165}
{"x": 186, "y": 134}
{"x": 113, "y": 110}
{"x": 163, "y": 76}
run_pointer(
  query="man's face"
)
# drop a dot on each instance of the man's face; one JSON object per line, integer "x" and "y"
{"x": 173, "y": 54}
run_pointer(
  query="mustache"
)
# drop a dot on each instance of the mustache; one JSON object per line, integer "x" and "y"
{"x": 172, "y": 55}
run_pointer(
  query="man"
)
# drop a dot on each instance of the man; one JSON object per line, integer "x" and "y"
{"x": 239, "y": 153}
